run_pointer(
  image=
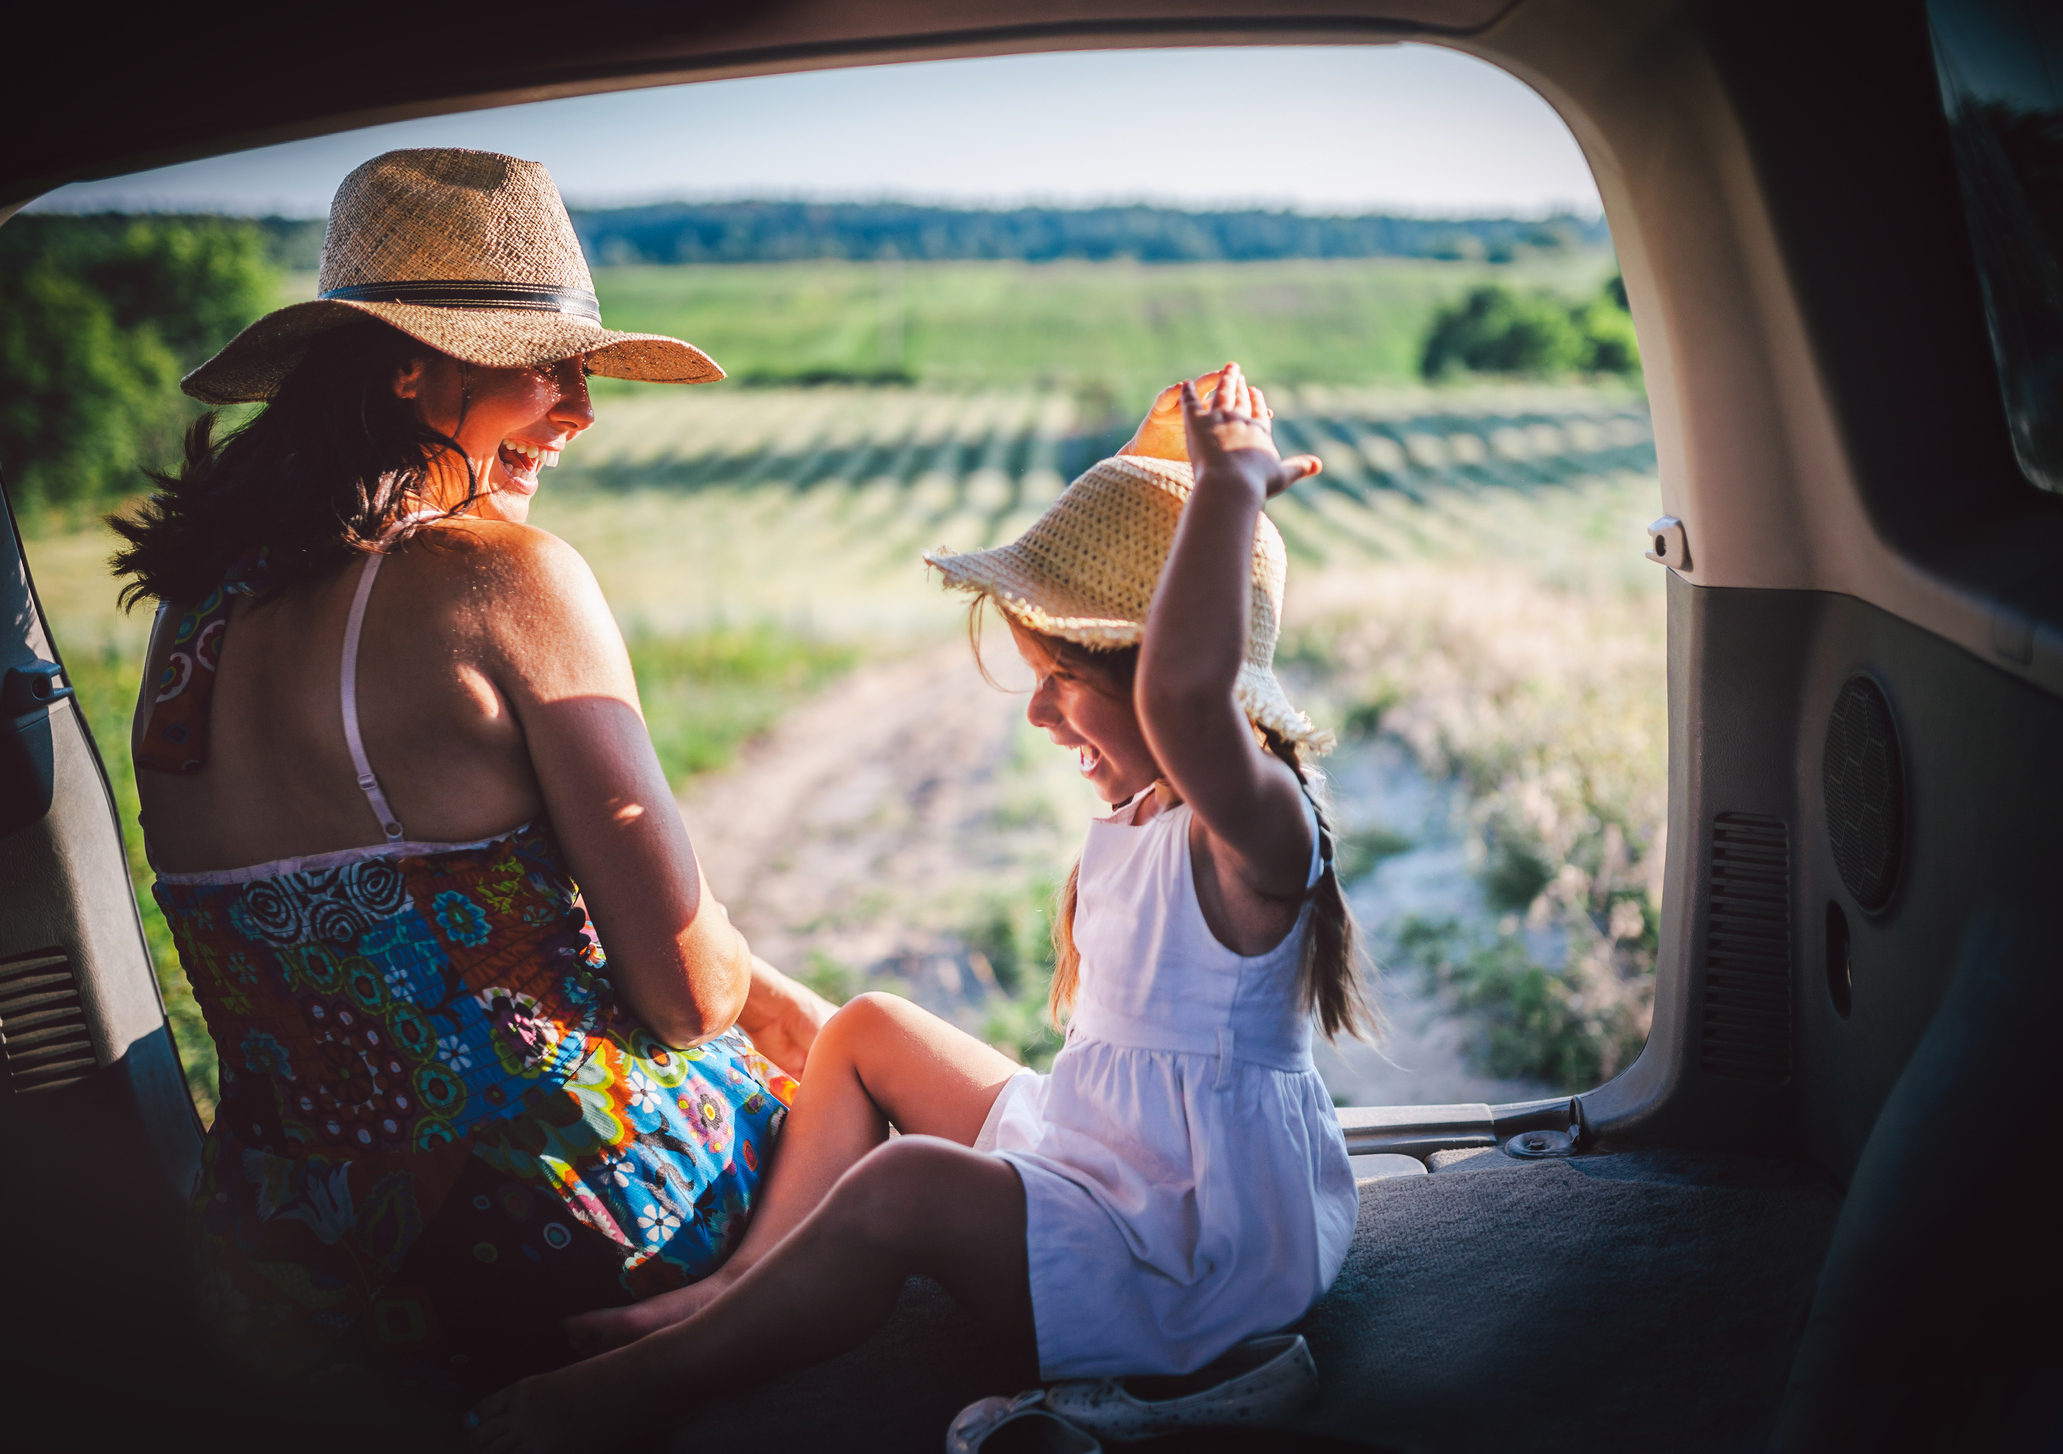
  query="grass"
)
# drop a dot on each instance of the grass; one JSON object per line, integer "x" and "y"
{"x": 706, "y": 692}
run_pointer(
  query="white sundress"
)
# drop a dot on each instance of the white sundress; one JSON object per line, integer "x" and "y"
{"x": 1186, "y": 1184}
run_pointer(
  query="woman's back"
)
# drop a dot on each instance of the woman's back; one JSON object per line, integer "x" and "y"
{"x": 439, "y": 730}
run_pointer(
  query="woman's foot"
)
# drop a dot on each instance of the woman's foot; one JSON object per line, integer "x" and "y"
{"x": 606, "y": 1328}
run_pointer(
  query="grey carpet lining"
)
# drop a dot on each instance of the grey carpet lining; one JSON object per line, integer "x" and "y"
{"x": 1642, "y": 1301}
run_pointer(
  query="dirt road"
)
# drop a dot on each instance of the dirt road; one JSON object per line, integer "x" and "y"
{"x": 880, "y": 826}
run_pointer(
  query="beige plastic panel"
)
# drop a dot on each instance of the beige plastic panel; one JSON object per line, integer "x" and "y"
{"x": 1751, "y": 459}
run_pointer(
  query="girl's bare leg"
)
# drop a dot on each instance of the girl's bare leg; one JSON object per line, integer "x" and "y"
{"x": 919, "y": 1205}
{"x": 879, "y": 1060}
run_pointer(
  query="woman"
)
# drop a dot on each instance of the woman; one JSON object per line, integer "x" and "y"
{"x": 400, "y": 799}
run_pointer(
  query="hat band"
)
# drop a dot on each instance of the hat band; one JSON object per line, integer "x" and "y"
{"x": 534, "y": 297}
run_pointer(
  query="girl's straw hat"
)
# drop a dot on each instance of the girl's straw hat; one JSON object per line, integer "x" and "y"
{"x": 1086, "y": 570}
{"x": 468, "y": 251}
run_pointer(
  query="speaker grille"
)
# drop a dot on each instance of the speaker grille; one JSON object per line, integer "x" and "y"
{"x": 1864, "y": 783}
{"x": 1746, "y": 1034}
{"x": 43, "y": 1032}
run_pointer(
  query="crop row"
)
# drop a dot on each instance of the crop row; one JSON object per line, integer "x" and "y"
{"x": 980, "y": 466}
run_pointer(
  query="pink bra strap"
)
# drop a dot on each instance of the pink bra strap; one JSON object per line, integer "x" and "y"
{"x": 353, "y": 629}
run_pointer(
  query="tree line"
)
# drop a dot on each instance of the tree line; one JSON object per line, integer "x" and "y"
{"x": 737, "y": 232}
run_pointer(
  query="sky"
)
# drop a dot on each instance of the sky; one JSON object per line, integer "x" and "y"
{"x": 1412, "y": 129}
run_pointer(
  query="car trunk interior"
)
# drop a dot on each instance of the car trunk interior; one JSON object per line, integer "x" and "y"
{"x": 1804, "y": 1218}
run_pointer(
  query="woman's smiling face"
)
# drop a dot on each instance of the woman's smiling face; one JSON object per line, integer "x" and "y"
{"x": 1081, "y": 710}
{"x": 512, "y": 423}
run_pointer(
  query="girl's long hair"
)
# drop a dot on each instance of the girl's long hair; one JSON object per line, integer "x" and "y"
{"x": 313, "y": 480}
{"x": 1334, "y": 968}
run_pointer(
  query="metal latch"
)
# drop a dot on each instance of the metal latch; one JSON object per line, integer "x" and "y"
{"x": 1669, "y": 544}
{"x": 1543, "y": 1145}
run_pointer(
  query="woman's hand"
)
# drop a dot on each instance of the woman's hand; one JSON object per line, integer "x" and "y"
{"x": 1230, "y": 432}
{"x": 783, "y": 1017}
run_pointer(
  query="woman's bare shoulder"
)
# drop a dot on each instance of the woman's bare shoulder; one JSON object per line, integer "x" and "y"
{"x": 498, "y": 556}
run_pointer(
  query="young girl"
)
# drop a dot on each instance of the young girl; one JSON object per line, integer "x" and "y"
{"x": 1179, "y": 1182}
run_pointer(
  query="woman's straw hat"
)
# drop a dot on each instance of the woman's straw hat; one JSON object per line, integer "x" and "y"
{"x": 468, "y": 251}
{"x": 1086, "y": 569}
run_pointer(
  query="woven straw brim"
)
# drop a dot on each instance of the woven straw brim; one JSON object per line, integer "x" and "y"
{"x": 254, "y": 363}
{"x": 1010, "y": 577}
{"x": 1027, "y": 581}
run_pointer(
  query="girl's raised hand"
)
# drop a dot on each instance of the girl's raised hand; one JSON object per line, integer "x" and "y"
{"x": 1232, "y": 434}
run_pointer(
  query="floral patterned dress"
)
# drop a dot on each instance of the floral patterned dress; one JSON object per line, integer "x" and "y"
{"x": 437, "y": 1133}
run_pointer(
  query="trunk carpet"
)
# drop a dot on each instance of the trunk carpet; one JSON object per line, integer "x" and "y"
{"x": 1640, "y": 1301}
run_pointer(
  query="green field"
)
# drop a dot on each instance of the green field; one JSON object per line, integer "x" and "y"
{"x": 1114, "y": 331}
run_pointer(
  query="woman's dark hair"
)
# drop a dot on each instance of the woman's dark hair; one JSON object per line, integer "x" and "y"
{"x": 313, "y": 479}
{"x": 1333, "y": 964}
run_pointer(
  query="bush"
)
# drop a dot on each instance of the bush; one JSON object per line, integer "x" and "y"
{"x": 1494, "y": 330}
{"x": 99, "y": 318}
{"x": 1528, "y": 1022}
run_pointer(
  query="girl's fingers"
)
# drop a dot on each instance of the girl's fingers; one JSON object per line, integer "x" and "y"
{"x": 1294, "y": 470}
{"x": 1263, "y": 415}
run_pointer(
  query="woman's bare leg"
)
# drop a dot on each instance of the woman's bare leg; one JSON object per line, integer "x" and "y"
{"x": 879, "y": 1060}
{"x": 919, "y": 1205}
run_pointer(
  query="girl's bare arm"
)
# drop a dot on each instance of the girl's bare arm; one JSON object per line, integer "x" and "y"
{"x": 1196, "y": 637}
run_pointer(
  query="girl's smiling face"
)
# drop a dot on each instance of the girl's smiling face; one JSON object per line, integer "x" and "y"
{"x": 1091, "y": 712}
{"x": 512, "y": 423}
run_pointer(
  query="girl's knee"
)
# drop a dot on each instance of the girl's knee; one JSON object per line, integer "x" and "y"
{"x": 865, "y": 1019}
{"x": 889, "y": 1195}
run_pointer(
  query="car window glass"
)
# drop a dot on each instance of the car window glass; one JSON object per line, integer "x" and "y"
{"x": 2001, "y": 68}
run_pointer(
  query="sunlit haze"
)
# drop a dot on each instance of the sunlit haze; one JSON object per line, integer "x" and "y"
{"x": 1408, "y": 129}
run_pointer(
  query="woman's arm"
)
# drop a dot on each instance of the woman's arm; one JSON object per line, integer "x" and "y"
{"x": 1196, "y": 636}
{"x": 554, "y": 652}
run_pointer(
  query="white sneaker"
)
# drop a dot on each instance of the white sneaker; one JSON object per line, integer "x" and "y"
{"x": 1260, "y": 1383}
{"x": 1034, "y": 1428}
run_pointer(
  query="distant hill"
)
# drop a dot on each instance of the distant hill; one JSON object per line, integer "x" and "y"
{"x": 739, "y": 232}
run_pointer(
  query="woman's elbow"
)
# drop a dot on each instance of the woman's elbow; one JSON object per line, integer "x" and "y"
{"x": 710, "y": 1005}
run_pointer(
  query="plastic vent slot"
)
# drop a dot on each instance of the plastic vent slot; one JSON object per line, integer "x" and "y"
{"x": 1864, "y": 783}
{"x": 1746, "y": 1033}
{"x": 43, "y": 1031}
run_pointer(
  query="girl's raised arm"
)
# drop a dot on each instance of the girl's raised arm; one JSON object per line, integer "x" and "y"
{"x": 1196, "y": 637}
